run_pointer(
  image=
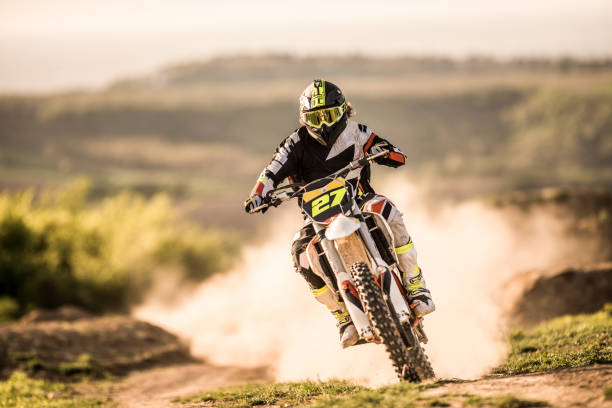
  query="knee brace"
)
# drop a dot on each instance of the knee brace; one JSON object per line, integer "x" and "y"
{"x": 300, "y": 260}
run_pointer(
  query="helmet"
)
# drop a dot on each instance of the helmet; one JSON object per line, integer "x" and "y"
{"x": 323, "y": 110}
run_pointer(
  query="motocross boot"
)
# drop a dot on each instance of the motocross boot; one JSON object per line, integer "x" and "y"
{"x": 420, "y": 297}
{"x": 348, "y": 332}
{"x": 412, "y": 276}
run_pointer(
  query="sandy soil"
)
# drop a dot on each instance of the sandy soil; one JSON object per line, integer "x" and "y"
{"x": 158, "y": 387}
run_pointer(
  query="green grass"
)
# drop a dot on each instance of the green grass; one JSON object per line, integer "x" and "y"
{"x": 408, "y": 395}
{"x": 568, "y": 341}
{"x": 341, "y": 394}
{"x": 19, "y": 391}
{"x": 283, "y": 394}
{"x": 396, "y": 395}
{"x": 502, "y": 401}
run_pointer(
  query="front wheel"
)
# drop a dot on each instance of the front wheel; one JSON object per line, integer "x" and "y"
{"x": 382, "y": 322}
{"x": 418, "y": 361}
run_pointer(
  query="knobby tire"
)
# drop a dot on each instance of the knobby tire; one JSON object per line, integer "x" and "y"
{"x": 410, "y": 365}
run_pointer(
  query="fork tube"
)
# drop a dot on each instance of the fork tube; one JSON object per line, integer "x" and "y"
{"x": 371, "y": 246}
{"x": 332, "y": 254}
{"x": 368, "y": 241}
{"x": 347, "y": 289}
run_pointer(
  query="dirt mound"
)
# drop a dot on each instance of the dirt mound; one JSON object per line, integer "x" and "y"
{"x": 548, "y": 294}
{"x": 588, "y": 212}
{"x": 46, "y": 347}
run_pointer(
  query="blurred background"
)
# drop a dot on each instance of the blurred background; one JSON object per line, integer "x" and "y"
{"x": 132, "y": 131}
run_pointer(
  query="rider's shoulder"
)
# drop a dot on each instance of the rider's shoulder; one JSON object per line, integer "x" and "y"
{"x": 298, "y": 135}
{"x": 357, "y": 132}
{"x": 358, "y": 127}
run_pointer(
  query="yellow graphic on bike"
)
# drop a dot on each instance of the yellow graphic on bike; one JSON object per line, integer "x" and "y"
{"x": 325, "y": 199}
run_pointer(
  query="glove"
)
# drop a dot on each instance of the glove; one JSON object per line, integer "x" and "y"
{"x": 379, "y": 148}
{"x": 253, "y": 202}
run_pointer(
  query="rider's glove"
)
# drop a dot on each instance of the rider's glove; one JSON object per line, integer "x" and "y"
{"x": 379, "y": 148}
{"x": 253, "y": 202}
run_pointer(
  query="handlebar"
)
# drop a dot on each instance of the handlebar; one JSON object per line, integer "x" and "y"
{"x": 271, "y": 200}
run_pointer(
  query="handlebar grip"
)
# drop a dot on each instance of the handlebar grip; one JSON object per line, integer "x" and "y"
{"x": 275, "y": 202}
{"x": 358, "y": 163}
{"x": 269, "y": 202}
{"x": 258, "y": 209}
{"x": 364, "y": 161}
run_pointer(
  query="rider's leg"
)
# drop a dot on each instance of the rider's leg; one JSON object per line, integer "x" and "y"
{"x": 321, "y": 292}
{"x": 412, "y": 275}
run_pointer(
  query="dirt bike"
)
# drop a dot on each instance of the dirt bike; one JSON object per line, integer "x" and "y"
{"x": 354, "y": 253}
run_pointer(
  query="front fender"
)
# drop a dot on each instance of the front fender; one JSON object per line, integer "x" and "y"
{"x": 341, "y": 227}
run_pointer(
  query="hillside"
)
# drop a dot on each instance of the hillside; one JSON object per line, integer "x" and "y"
{"x": 204, "y": 130}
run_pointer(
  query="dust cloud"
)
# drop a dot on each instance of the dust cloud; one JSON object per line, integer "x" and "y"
{"x": 261, "y": 312}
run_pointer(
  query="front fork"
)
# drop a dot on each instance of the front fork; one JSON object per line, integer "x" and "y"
{"x": 342, "y": 253}
{"x": 347, "y": 289}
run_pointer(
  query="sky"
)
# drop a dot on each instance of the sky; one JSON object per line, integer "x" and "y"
{"x": 48, "y": 45}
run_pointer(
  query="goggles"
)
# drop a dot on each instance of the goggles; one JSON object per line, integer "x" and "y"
{"x": 327, "y": 116}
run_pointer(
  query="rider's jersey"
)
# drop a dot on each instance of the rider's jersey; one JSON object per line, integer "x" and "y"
{"x": 302, "y": 159}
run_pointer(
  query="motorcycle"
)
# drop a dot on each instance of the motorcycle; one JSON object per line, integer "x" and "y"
{"x": 354, "y": 253}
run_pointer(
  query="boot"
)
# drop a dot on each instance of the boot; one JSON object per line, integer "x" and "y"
{"x": 418, "y": 295}
{"x": 412, "y": 277}
{"x": 348, "y": 332}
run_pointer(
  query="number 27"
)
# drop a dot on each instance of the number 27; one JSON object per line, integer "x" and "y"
{"x": 320, "y": 204}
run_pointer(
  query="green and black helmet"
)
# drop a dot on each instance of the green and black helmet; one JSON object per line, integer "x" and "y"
{"x": 323, "y": 110}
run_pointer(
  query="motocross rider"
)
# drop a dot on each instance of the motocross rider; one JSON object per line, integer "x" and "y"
{"x": 326, "y": 142}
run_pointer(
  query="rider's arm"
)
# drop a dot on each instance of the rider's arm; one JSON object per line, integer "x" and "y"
{"x": 283, "y": 165}
{"x": 376, "y": 144}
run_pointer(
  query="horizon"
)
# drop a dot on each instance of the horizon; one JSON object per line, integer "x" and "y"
{"x": 25, "y": 92}
{"x": 68, "y": 44}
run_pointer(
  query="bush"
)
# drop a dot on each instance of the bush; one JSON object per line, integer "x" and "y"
{"x": 61, "y": 250}
{"x": 8, "y": 309}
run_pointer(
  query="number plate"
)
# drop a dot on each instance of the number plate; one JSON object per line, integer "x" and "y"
{"x": 327, "y": 198}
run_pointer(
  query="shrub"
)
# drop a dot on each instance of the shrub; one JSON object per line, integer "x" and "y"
{"x": 60, "y": 249}
{"x": 8, "y": 309}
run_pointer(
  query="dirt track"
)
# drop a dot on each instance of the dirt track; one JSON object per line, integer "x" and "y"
{"x": 156, "y": 388}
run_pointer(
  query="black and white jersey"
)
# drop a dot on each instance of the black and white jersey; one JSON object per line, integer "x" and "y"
{"x": 302, "y": 159}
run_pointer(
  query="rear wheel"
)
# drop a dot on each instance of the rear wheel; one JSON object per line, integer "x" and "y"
{"x": 382, "y": 322}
